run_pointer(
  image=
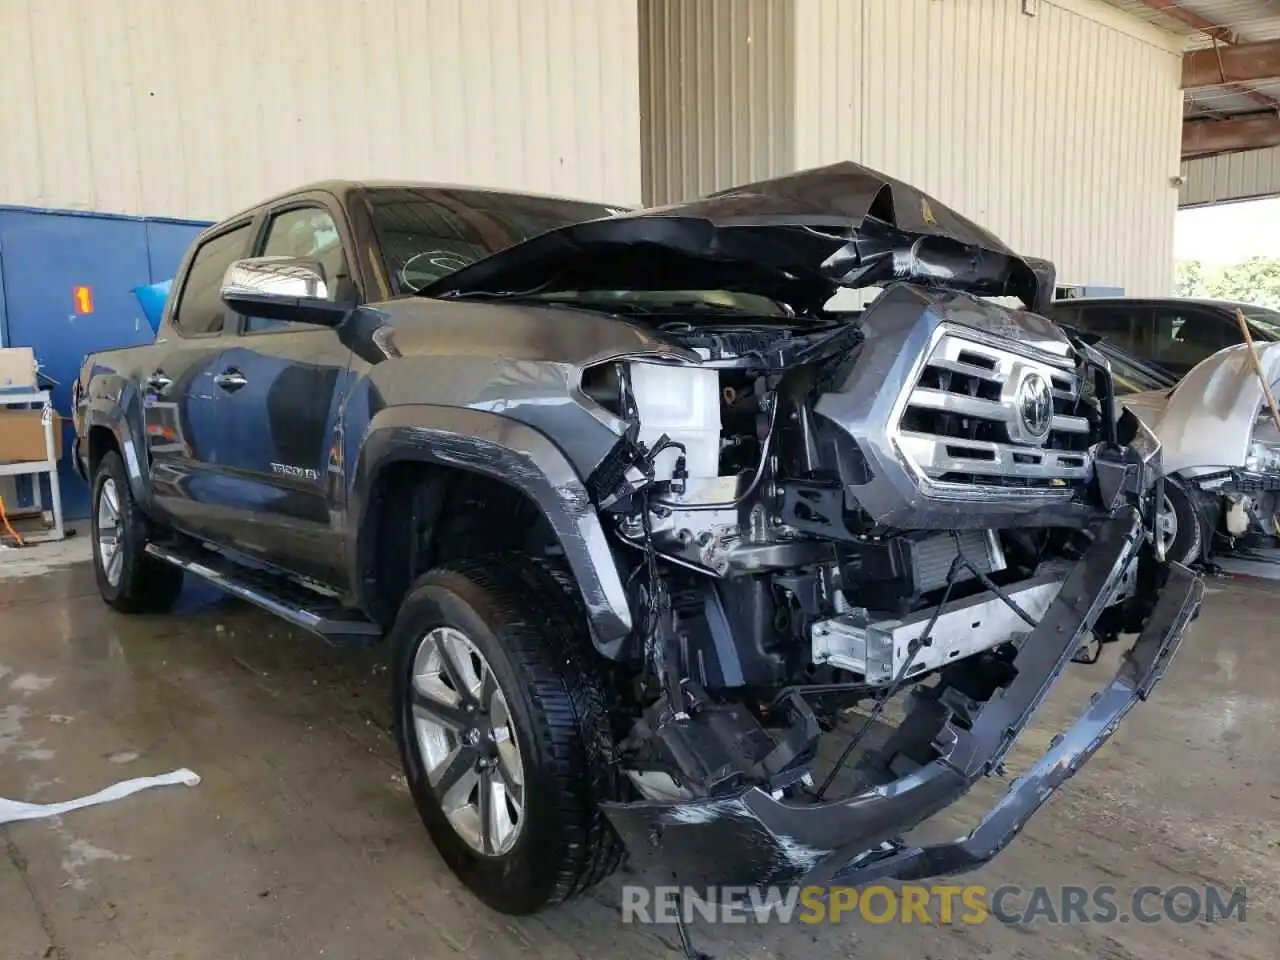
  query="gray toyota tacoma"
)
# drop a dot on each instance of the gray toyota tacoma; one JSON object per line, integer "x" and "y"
{"x": 659, "y": 539}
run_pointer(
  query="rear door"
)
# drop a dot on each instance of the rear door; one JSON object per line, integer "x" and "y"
{"x": 177, "y": 390}
{"x": 278, "y": 388}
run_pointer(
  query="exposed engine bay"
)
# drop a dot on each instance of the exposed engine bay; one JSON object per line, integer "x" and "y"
{"x": 824, "y": 513}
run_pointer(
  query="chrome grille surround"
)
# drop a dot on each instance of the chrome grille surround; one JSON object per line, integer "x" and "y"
{"x": 866, "y": 417}
{"x": 958, "y": 360}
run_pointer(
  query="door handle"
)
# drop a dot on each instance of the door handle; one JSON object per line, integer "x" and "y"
{"x": 158, "y": 381}
{"x": 230, "y": 380}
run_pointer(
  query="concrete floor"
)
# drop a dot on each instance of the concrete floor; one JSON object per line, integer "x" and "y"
{"x": 301, "y": 839}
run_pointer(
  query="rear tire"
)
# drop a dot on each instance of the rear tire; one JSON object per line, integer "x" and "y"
{"x": 129, "y": 579}
{"x": 530, "y": 698}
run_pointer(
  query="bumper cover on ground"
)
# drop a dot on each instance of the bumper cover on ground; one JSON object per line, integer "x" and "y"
{"x": 751, "y": 838}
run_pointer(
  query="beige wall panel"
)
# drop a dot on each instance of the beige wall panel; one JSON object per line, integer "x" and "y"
{"x": 194, "y": 108}
{"x": 716, "y": 81}
{"x": 1059, "y": 132}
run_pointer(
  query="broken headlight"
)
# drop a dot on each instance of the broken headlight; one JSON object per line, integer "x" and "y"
{"x": 1264, "y": 448}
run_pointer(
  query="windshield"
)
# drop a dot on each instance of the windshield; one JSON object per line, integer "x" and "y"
{"x": 1265, "y": 321}
{"x": 426, "y": 233}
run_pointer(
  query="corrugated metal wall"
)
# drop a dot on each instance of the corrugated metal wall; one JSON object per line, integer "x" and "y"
{"x": 198, "y": 108}
{"x": 1233, "y": 176}
{"x": 1060, "y": 132}
{"x": 716, "y": 78}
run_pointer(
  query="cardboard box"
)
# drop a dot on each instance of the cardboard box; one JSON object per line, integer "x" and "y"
{"x": 17, "y": 369}
{"x": 22, "y": 436}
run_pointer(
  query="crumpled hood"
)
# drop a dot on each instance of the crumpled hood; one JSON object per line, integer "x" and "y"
{"x": 1209, "y": 421}
{"x": 796, "y": 239}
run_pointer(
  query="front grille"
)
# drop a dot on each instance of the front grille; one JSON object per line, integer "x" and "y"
{"x": 960, "y": 421}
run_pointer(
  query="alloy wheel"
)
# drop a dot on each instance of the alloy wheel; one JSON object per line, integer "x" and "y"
{"x": 1166, "y": 526}
{"x": 467, "y": 738}
{"x": 110, "y": 556}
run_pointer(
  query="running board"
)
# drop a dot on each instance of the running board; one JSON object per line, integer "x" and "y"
{"x": 287, "y": 600}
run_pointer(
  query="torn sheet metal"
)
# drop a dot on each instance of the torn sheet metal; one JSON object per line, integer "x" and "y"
{"x": 755, "y": 839}
{"x": 11, "y": 811}
{"x": 797, "y": 238}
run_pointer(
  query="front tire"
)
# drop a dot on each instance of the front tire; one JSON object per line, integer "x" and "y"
{"x": 129, "y": 579}
{"x": 503, "y": 731}
{"x": 1178, "y": 525}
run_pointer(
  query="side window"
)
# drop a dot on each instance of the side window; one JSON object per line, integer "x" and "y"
{"x": 1116, "y": 325}
{"x": 304, "y": 232}
{"x": 200, "y": 311}
{"x": 1185, "y": 337}
{"x": 1064, "y": 315}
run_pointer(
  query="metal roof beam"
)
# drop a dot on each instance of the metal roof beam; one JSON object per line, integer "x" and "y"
{"x": 1221, "y": 66}
{"x": 1202, "y": 138}
{"x": 1171, "y": 9}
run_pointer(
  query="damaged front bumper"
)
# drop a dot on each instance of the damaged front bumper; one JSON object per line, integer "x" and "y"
{"x": 751, "y": 838}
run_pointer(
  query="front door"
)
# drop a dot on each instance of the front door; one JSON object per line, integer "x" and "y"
{"x": 279, "y": 387}
{"x": 178, "y": 394}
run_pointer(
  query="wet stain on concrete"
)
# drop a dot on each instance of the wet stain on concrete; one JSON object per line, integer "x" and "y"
{"x": 302, "y": 841}
{"x": 30, "y": 683}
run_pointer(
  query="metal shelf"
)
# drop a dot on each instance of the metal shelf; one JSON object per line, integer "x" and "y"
{"x": 24, "y": 467}
{"x": 34, "y": 468}
{"x": 24, "y": 398}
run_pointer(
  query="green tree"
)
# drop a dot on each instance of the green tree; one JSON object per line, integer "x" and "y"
{"x": 1188, "y": 278}
{"x": 1256, "y": 280}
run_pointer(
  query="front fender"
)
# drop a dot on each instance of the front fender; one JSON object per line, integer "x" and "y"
{"x": 113, "y": 402}
{"x": 518, "y": 455}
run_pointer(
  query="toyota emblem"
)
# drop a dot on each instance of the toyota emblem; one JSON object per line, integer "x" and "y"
{"x": 1034, "y": 402}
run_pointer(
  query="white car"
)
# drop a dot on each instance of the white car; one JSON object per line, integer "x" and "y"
{"x": 1220, "y": 445}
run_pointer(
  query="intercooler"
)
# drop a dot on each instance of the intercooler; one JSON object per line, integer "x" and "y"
{"x": 894, "y": 572}
{"x": 930, "y": 557}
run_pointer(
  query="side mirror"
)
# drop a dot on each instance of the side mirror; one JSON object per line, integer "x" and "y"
{"x": 282, "y": 288}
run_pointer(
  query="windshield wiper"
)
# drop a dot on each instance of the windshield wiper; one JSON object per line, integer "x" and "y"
{"x": 706, "y": 306}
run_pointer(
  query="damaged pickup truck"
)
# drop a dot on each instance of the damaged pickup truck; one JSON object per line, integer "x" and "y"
{"x": 643, "y": 521}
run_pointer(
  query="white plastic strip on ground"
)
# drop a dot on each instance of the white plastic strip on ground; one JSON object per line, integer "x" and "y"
{"x": 12, "y": 811}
